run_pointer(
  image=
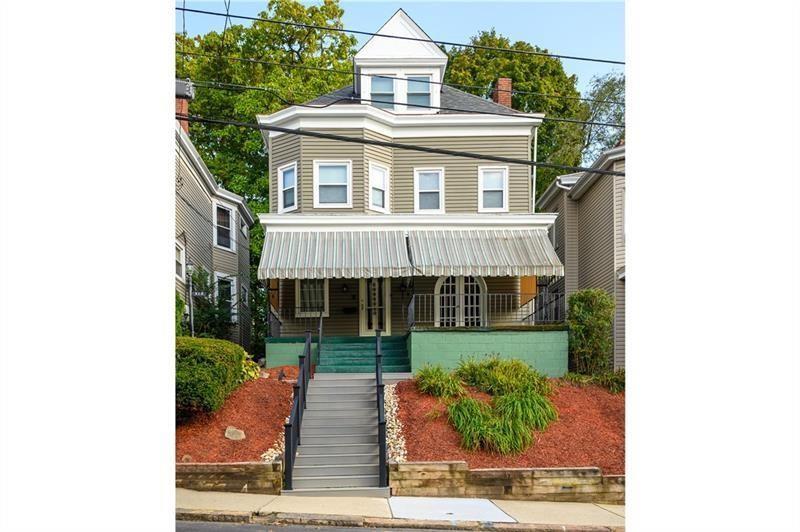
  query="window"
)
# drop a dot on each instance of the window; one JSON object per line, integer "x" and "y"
{"x": 382, "y": 92}
{"x": 460, "y": 302}
{"x": 180, "y": 261}
{"x": 287, "y": 187}
{"x": 226, "y": 295}
{"x": 243, "y": 227}
{"x": 311, "y": 297}
{"x": 332, "y": 184}
{"x": 492, "y": 189}
{"x": 429, "y": 190}
{"x": 419, "y": 91}
{"x": 224, "y": 236}
{"x": 378, "y": 188}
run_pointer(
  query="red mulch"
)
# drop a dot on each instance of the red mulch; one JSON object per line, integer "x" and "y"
{"x": 590, "y": 431}
{"x": 258, "y": 407}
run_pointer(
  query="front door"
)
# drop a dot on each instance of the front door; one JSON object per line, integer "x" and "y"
{"x": 374, "y": 306}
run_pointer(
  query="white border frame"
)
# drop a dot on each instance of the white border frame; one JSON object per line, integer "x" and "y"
{"x": 234, "y": 225}
{"x": 183, "y": 261}
{"x": 280, "y": 171}
{"x": 387, "y": 192}
{"x": 362, "y": 307}
{"x": 234, "y": 279}
{"x": 414, "y": 109}
{"x": 481, "y": 170}
{"x": 326, "y": 309}
{"x": 349, "y": 164}
{"x": 441, "y": 209}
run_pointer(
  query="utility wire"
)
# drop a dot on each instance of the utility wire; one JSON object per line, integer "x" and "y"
{"x": 405, "y": 38}
{"x": 386, "y": 76}
{"x": 398, "y": 145}
{"x": 233, "y": 86}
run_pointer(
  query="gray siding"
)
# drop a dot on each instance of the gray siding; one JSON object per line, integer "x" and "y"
{"x": 596, "y": 236}
{"x": 193, "y": 226}
{"x": 322, "y": 149}
{"x": 383, "y": 156}
{"x": 619, "y": 263}
{"x": 283, "y": 149}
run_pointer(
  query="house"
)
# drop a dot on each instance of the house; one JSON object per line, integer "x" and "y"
{"x": 437, "y": 251}
{"x": 589, "y": 234}
{"x": 212, "y": 229}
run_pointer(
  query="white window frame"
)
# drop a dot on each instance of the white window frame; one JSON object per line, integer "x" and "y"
{"x": 411, "y": 107}
{"x": 243, "y": 226}
{"x": 387, "y": 208}
{"x": 481, "y": 189}
{"x": 245, "y": 295}
{"x": 460, "y": 302}
{"x": 311, "y": 314}
{"x": 325, "y": 162}
{"x": 233, "y": 280}
{"x": 395, "y": 100}
{"x": 181, "y": 278}
{"x": 281, "y": 188}
{"x": 233, "y": 228}
{"x": 441, "y": 209}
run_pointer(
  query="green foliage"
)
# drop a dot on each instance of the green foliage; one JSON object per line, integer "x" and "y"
{"x": 435, "y": 381}
{"x": 472, "y": 419}
{"x": 604, "y": 90}
{"x": 590, "y": 319}
{"x": 530, "y": 408}
{"x": 211, "y": 318}
{"x": 498, "y": 376}
{"x": 578, "y": 379}
{"x": 614, "y": 381}
{"x": 250, "y": 370}
{"x": 206, "y": 372}
{"x": 180, "y": 307}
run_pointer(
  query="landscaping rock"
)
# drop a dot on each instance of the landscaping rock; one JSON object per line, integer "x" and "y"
{"x": 187, "y": 458}
{"x": 232, "y": 433}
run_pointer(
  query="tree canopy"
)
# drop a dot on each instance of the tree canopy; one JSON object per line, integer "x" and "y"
{"x": 605, "y": 90}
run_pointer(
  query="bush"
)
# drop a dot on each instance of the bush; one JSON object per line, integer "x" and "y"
{"x": 498, "y": 376}
{"x": 434, "y": 380}
{"x": 530, "y": 408}
{"x": 590, "y": 319}
{"x": 614, "y": 381}
{"x": 180, "y": 307}
{"x": 481, "y": 427}
{"x": 206, "y": 372}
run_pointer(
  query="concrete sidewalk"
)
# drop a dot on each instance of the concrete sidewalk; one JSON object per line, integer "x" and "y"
{"x": 408, "y": 512}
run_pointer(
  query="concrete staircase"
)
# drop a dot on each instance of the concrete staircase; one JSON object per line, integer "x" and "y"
{"x": 338, "y": 451}
{"x": 356, "y": 354}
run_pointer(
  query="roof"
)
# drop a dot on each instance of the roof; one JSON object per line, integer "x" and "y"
{"x": 578, "y": 183}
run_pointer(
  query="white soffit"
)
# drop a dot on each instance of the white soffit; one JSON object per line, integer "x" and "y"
{"x": 403, "y": 222}
{"x": 400, "y": 24}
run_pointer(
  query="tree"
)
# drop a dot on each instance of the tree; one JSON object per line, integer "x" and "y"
{"x": 235, "y": 155}
{"x": 558, "y": 142}
{"x": 604, "y": 90}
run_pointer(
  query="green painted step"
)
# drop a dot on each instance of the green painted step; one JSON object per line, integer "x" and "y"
{"x": 398, "y": 368}
{"x": 361, "y": 339}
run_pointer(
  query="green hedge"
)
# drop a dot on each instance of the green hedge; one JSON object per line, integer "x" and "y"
{"x": 207, "y": 370}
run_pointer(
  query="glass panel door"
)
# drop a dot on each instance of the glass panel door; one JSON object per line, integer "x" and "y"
{"x": 374, "y": 308}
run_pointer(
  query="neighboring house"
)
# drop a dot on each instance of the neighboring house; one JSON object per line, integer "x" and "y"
{"x": 212, "y": 228}
{"x": 589, "y": 234}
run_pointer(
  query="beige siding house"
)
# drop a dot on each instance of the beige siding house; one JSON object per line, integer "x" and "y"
{"x": 590, "y": 234}
{"x": 212, "y": 232}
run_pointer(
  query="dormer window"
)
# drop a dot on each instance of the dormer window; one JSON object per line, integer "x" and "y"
{"x": 419, "y": 92}
{"x": 382, "y": 94}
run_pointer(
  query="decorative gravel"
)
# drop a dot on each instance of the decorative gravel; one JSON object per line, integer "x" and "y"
{"x": 395, "y": 442}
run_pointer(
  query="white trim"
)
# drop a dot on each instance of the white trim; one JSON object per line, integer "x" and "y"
{"x": 362, "y": 307}
{"x": 441, "y": 209}
{"x": 181, "y": 278}
{"x": 233, "y": 280}
{"x": 391, "y": 76}
{"x": 387, "y": 191}
{"x": 281, "y": 189}
{"x": 481, "y": 170}
{"x": 398, "y": 222}
{"x": 349, "y": 164}
{"x": 234, "y": 229}
{"x": 460, "y": 299}
{"x": 325, "y": 298}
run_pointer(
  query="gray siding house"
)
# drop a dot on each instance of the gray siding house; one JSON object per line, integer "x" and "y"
{"x": 212, "y": 229}
{"x": 589, "y": 234}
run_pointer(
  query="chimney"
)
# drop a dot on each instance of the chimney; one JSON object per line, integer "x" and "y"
{"x": 184, "y": 91}
{"x": 502, "y": 92}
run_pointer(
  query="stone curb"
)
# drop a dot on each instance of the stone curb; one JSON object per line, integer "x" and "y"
{"x": 219, "y": 516}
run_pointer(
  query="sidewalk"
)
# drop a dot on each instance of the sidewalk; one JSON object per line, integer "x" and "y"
{"x": 405, "y": 512}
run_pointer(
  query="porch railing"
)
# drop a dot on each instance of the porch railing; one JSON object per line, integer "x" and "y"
{"x": 291, "y": 432}
{"x": 383, "y": 473}
{"x": 484, "y": 310}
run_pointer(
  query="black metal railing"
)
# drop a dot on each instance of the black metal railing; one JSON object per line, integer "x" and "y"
{"x": 292, "y": 428}
{"x": 485, "y": 309}
{"x": 383, "y": 472}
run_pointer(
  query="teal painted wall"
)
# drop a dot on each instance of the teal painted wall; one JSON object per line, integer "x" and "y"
{"x": 546, "y": 351}
{"x": 286, "y": 351}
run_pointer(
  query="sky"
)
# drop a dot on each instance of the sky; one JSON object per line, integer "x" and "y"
{"x": 587, "y": 28}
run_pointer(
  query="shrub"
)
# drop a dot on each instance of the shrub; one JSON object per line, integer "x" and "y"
{"x": 614, "y": 381}
{"x": 530, "y": 408}
{"x": 473, "y": 420}
{"x": 434, "y": 380}
{"x": 206, "y": 372}
{"x": 500, "y": 376}
{"x": 180, "y": 307}
{"x": 590, "y": 319}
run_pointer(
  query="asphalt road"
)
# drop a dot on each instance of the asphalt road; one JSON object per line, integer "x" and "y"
{"x": 198, "y": 526}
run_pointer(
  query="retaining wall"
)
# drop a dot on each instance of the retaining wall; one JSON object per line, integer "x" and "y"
{"x": 240, "y": 477}
{"x": 286, "y": 351}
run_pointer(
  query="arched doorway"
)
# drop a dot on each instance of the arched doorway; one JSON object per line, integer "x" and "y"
{"x": 460, "y": 301}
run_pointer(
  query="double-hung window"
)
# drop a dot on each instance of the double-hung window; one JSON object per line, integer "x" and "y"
{"x": 429, "y": 190}
{"x": 287, "y": 187}
{"x": 382, "y": 92}
{"x": 378, "y": 188}
{"x": 224, "y": 235}
{"x": 226, "y": 295}
{"x": 492, "y": 189}
{"x": 419, "y": 92}
{"x": 333, "y": 184}
{"x": 311, "y": 298}
{"x": 180, "y": 261}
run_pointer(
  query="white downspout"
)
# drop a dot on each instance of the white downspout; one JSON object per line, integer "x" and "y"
{"x": 533, "y": 174}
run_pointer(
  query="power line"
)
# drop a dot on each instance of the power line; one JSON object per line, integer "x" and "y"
{"x": 398, "y": 145}
{"x": 234, "y": 86}
{"x": 405, "y": 38}
{"x": 386, "y": 76}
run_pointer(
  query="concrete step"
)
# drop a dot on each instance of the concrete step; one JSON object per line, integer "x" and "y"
{"x": 338, "y": 492}
{"x": 335, "y": 395}
{"x": 400, "y": 368}
{"x": 334, "y": 448}
{"x": 339, "y": 439}
{"x": 345, "y": 420}
{"x": 344, "y": 481}
{"x": 335, "y": 428}
{"x": 344, "y": 379}
{"x": 314, "y": 412}
{"x": 370, "y": 458}
{"x": 333, "y": 387}
{"x": 338, "y": 404}
{"x": 335, "y": 470}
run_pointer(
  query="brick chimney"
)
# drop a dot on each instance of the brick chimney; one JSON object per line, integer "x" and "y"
{"x": 184, "y": 92}
{"x": 502, "y": 92}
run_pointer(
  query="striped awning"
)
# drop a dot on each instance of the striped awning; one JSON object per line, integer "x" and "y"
{"x": 334, "y": 255}
{"x": 485, "y": 252}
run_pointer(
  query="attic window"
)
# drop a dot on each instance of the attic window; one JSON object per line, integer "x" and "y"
{"x": 419, "y": 91}
{"x": 382, "y": 92}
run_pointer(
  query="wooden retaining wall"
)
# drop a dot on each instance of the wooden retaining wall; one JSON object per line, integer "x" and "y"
{"x": 240, "y": 477}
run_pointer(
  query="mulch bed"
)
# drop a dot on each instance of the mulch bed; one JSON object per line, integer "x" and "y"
{"x": 258, "y": 407}
{"x": 590, "y": 431}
